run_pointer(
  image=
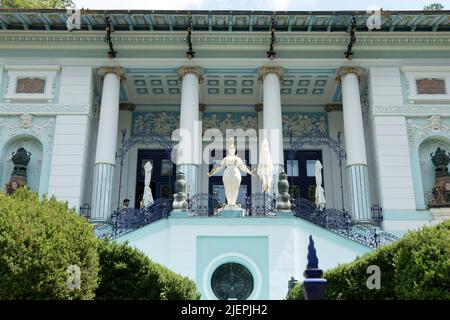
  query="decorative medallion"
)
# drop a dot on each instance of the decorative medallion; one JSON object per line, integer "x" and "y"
{"x": 232, "y": 281}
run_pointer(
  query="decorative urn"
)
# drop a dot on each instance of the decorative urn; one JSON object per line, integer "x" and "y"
{"x": 441, "y": 190}
{"x": 20, "y": 158}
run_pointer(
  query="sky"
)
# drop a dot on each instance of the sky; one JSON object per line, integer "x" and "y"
{"x": 268, "y": 5}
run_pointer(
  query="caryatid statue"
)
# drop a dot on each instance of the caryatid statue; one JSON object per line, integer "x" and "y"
{"x": 147, "y": 198}
{"x": 232, "y": 175}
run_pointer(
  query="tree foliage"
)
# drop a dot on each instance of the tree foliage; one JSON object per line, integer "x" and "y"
{"x": 433, "y": 7}
{"x": 415, "y": 267}
{"x": 39, "y": 241}
{"x": 36, "y": 4}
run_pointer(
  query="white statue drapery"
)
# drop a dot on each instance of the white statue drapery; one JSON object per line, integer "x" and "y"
{"x": 147, "y": 198}
{"x": 320, "y": 193}
{"x": 265, "y": 166}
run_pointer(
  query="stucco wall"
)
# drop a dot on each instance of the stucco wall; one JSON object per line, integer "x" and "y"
{"x": 277, "y": 246}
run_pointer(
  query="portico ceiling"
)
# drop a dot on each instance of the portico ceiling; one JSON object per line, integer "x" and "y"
{"x": 229, "y": 86}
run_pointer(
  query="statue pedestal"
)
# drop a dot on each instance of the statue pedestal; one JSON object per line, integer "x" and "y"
{"x": 179, "y": 214}
{"x": 231, "y": 212}
{"x": 440, "y": 214}
{"x": 285, "y": 214}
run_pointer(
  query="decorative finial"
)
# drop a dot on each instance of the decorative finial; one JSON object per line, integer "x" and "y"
{"x": 313, "y": 261}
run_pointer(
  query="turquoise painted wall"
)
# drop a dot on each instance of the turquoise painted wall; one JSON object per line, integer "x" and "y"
{"x": 250, "y": 251}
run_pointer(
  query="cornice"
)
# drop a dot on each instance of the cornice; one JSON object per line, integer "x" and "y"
{"x": 42, "y": 109}
{"x": 240, "y": 38}
{"x": 412, "y": 110}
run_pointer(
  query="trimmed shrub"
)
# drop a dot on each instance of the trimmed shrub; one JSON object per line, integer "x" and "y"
{"x": 422, "y": 264}
{"x": 415, "y": 267}
{"x": 127, "y": 273}
{"x": 39, "y": 241}
{"x": 349, "y": 281}
{"x": 295, "y": 293}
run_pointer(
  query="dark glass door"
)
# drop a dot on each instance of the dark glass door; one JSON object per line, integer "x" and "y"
{"x": 163, "y": 175}
{"x": 300, "y": 168}
{"x": 216, "y": 183}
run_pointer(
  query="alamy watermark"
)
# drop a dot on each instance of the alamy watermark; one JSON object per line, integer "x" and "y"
{"x": 374, "y": 280}
{"x": 73, "y": 277}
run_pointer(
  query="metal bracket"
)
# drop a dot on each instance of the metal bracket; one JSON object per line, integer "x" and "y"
{"x": 111, "y": 53}
{"x": 349, "y": 52}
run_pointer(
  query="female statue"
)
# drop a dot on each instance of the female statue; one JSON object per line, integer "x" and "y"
{"x": 147, "y": 198}
{"x": 231, "y": 176}
{"x": 265, "y": 166}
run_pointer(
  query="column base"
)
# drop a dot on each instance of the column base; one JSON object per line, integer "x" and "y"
{"x": 102, "y": 192}
{"x": 358, "y": 179}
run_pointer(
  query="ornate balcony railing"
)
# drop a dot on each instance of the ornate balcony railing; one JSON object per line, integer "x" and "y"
{"x": 85, "y": 210}
{"x": 340, "y": 222}
{"x": 261, "y": 204}
{"x": 126, "y": 220}
{"x": 203, "y": 204}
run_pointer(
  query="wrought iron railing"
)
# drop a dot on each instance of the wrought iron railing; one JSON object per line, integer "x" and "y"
{"x": 126, "y": 220}
{"x": 377, "y": 214}
{"x": 203, "y": 204}
{"x": 261, "y": 204}
{"x": 85, "y": 210}
{"x": 340, "y": 222}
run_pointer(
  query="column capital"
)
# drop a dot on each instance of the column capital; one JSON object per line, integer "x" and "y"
{"x": 182, "y": 71}
{"x": 333, "y": 106}
{"x": 259, "y": 107}
{"x": 127, "y": 106}
{"x": 342, "y": 71}
{"x": 118, "y": 71}
{"x": 263, "y": 71}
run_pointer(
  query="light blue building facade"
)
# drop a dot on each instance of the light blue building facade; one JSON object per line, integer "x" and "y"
{"x": 92, "y": 119}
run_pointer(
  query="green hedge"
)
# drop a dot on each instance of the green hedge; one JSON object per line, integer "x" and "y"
{"x": 415, "y": 267}
{"x": 39, "y": 240}
{"x": 422, "y": 264}
{"x": 127, "y": 273}
{"x": 295, "y": 293}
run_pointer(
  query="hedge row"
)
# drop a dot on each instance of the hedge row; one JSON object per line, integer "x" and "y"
{"x": 40, "y": 241}
{"x": 127, "y": 273}
{"x": 415, "y": 267}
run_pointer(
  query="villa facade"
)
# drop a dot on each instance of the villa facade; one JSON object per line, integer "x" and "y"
{"x": 91, "y": 113}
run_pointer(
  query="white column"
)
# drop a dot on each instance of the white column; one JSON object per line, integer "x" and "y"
{"x": 190, "y": 146}
{"x": 272, "y": 117}
{"x": 354, "y": 143}
{"x": 105, "y": 155}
